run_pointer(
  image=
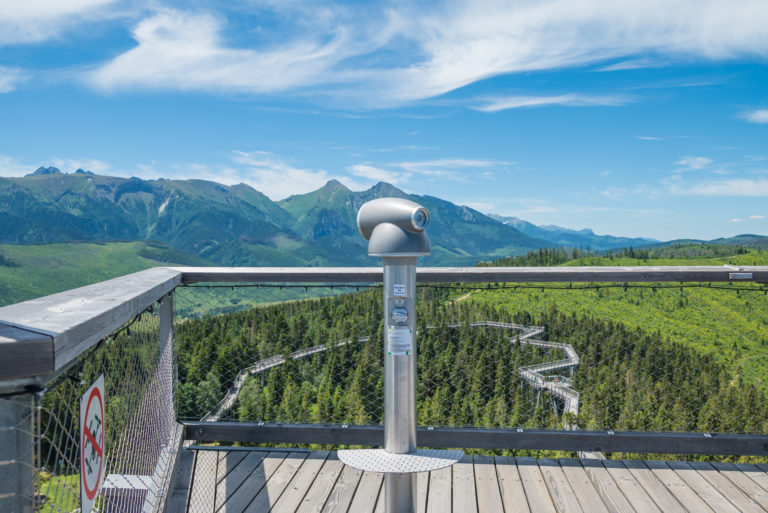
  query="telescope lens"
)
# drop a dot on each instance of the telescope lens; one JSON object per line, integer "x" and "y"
{"x": 420, "y": 218}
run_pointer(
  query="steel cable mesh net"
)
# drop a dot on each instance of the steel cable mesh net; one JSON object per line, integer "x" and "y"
{"x": 645, "y": 359}
{"x": 139, "y": 429}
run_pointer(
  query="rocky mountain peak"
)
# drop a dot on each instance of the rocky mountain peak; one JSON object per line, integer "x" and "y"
{"x": 45, "y": 171}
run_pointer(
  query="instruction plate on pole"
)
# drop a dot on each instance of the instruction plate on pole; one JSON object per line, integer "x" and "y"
{"x": 399, "y": 342}
{"x": 398, "y": 289}
{"x": 91, "y": 444}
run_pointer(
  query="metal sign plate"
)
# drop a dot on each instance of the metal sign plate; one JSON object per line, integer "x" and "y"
{"x": 399, "y": 341}
{"x": 91, "y": 444}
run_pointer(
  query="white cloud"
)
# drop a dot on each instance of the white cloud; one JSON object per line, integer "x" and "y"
{"x": 72, "y": 165}
{"x": 10, "y": 78}
{"x": 734, "y": 187}
{"x": 449, "y": 169}
{"x": 12, "y": 167}
{"x": 29, "y": 21}
{"x": 756, "y": 217}
{"x": 377, "y": 174}
{"x": 387, "y": 54}
{"x": 694, "y": 162}
{"x": 439, "y": 166}
{"x": 186, "y": 51}
{"x": 270, "y": 174}
{"x": 616, "y": 193}
{"x": 648, "y": 138}
{"x": 736, "y": 220}
{"x": 473, "y": 40}
{"x": 631, "y": 64}
{"x": 757, "y": 116}
{"x": 568, "y": 100}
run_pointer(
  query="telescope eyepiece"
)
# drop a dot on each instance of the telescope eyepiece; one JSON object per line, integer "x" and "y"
{"x": 420, "y": 218}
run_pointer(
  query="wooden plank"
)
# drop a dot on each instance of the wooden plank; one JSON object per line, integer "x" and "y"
{"x": 536, "y": 489}
{"x": 755, "y": 473}
{"x": 585, "y": 492}
{"x": 236, "y": 476}
{"x": 203, "y": 494}
{"x": 291, "y": 498}
{"x": 606, "y": 487}
{"x": 25, "y": 353}
{"x": 464, "y": 493}
{"x": 744, "y": 482}
{"x": 277, "y": 483}
{"x": 713, "y": 497}
{"x": 318, "y": 493}
{"x": 181, "y": 482}
{"x": 439, "y": 493}
{"x": 689, "y": 499}
{"x": 469, "y": 274}
{"x": 367, "y": 492}
{"x": 381, "y": 502}
{"x": 487, "y": 483}
{"x": 726, "y": 487}
{"x": 228, "y": 460}
{"x": 422, "y": 489}
{"x": 254, "y": 483}
{"x": 661, "y": 495}
{"x": 634, "y": 492}
{"x": 343, "y": 491}
{"x": 511, "y": 485}
{"x": 559, "y": 489}
{"x": 78, "y": 318}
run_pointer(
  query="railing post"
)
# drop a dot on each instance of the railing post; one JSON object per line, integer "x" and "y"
{"x": 17, "y": 461}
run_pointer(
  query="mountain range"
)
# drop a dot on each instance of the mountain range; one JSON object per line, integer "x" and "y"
{"x": 238, "y": 225}
{"x": 560, "y": 236}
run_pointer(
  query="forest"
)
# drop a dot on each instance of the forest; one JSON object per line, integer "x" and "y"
{"x": 629, "y": 378}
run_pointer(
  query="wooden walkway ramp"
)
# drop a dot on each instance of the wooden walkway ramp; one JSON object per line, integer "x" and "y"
{"x": 291, "y": 480}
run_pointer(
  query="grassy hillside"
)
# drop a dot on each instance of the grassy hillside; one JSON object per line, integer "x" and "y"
{"x": 731, "y": 327}
{"x": 27, "y": 272}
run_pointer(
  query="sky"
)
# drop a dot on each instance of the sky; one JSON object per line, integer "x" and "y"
{"x": 636, "y": 118}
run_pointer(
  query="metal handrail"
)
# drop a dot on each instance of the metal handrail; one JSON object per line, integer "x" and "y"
{"x": 42, "y": 337}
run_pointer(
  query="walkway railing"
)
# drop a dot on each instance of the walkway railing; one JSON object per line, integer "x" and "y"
{"x": 53, "y": 348}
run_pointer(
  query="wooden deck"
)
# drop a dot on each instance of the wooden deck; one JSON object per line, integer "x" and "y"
{"x": 291, "y": 480}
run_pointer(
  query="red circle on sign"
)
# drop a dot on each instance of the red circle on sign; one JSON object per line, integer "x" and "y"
{"x": 91, "y": 493}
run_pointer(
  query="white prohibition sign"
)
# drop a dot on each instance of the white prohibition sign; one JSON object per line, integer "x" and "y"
{"x": 91, "y": 444}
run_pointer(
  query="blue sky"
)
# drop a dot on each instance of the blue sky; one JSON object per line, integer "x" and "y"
{"x": 632, "y": 118}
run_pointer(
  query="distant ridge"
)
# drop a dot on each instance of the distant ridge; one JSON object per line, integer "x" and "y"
{"x": 560, "y": 236}
{"x": 747, "y": 240}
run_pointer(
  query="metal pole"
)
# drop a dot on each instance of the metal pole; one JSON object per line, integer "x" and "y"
{"x": 17, "y": 474}
{"x": 400, "y": 377}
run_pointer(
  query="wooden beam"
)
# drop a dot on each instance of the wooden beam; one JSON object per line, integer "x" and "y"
{"x": 476, "y": 438}
{"x": 477, "y": 274}
{"x": 77, "y": 319}
{"x": 24, "y": 353}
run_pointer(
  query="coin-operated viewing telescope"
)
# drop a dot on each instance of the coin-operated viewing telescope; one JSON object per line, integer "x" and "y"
{"x": 394, "y": 228}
